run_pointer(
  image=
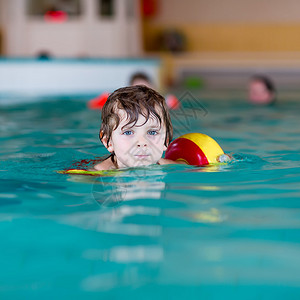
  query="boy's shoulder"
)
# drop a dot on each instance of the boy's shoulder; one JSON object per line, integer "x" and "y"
{"x": 107, "y": 164}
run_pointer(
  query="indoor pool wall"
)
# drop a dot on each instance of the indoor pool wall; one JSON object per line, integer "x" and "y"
{"x": 33, "y": 77}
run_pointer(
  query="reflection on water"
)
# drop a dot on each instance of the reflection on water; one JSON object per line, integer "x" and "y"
{"x": 134, "y": 184}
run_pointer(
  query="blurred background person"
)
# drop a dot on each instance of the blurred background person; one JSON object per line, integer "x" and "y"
{"x": 261, "y": 90}
{"x": 140, "y": 78}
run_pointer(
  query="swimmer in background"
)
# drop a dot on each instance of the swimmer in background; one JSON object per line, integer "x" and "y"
{"x": 136, "y": 128}
{"x": 261, "y": 91}
{"x": 138, "y": 78}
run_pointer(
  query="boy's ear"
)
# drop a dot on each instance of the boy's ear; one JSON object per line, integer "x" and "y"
{"x": 108, "y": 146}
{"x": 166, "y": 143}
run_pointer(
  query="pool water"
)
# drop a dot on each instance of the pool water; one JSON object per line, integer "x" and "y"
{"x": 161, "y": 232}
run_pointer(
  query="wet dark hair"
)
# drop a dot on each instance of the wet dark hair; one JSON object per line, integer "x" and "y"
{"x": 134, "y": 100}
{"x": 141, "y": 76}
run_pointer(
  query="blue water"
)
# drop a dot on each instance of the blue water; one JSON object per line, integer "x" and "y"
{"x": 162, "y": 232}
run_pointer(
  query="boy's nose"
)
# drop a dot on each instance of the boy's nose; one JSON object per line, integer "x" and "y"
{"x": 142, "y": 142}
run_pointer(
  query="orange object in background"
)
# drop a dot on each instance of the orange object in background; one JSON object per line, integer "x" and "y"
{"x": 172, "y": 101}
{"x": 98, "y": 102}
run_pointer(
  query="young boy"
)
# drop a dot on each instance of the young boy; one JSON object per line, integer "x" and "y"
{"x": 136, "y": 128}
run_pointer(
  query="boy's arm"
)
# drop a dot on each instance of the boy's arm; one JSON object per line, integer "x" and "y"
{"x": 164, "y": 161}
{"x": 224, "y": 158}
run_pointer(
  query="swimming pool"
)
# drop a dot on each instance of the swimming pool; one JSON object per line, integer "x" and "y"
{"x": 169, "y": 232}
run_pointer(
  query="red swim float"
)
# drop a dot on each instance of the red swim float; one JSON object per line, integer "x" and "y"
{"x": 172, "y": 101}
{"x": 98, "y": 102}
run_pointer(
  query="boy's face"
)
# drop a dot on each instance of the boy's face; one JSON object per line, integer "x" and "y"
{"x": 140, "y": 145}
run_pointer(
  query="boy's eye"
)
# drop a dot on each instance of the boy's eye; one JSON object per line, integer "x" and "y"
{"x": 152, "y": 132}
{"x": 128, "y": 132}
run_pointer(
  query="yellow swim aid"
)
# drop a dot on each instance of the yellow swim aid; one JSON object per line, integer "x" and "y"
{"x": 90, "y": 173}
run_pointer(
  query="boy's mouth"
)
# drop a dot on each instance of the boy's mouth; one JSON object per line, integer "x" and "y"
{"x": 142, "y": 155}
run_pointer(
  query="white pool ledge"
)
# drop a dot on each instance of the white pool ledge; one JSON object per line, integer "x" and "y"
{"x": 70, "y": 76}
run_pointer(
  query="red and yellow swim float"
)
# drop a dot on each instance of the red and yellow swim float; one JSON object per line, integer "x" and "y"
{"x": 195, "y": 149}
